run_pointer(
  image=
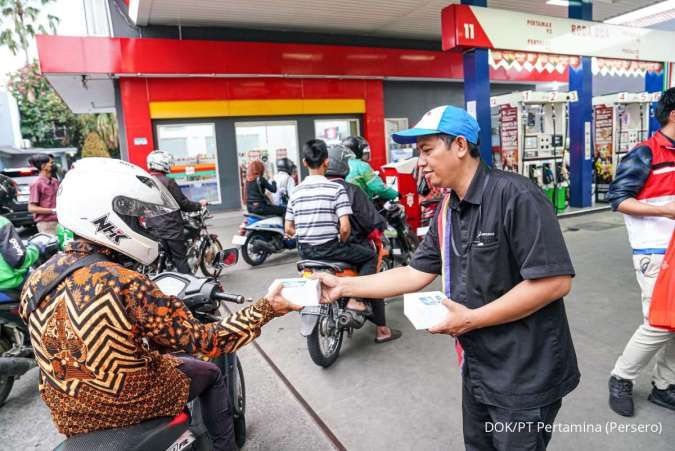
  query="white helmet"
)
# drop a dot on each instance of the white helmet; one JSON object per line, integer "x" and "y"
{"x": 102, "y": 199}
{"x": 159, "y": 160}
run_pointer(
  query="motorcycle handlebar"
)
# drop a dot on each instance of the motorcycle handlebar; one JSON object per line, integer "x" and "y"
{"x": 236, "y": 298}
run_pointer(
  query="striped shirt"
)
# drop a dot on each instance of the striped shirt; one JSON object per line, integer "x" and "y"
{"x": 316, "y": 207}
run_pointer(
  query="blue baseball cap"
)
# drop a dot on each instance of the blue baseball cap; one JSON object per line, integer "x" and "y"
{"x": 442, "y": 119}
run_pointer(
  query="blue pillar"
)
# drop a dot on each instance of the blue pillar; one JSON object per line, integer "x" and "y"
{"x": 581, "y": 111}
{"x": 654, "y": 82}
{"x": 477, "y": 91}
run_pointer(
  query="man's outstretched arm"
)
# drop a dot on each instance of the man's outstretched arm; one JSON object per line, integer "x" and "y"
{"x": 394, "y": 282}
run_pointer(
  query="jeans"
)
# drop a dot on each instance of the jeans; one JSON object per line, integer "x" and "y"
{"x": 208, "y": 383}
{"x": 648, "y": 340}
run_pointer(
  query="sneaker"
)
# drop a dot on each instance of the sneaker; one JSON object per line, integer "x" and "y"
{"x": 621, "y": 396}
{"x": 664, "y": 398}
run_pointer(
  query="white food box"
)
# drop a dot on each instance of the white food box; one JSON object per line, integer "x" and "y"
{"x": 299, "y": 291}
{"x": 424, "y": 310}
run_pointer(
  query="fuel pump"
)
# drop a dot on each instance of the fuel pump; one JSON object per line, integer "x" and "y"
{"x": 620, "y": 122}
{"x": 535, "y": 142}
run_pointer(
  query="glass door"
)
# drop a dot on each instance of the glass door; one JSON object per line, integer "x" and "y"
{"x": 193, "y": 147}
{"x": 265, "y": 141}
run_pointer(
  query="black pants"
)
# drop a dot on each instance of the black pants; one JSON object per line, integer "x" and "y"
{"x": 361, "y": 255}
{"x": 370, "y": 267}
{"x": 177, "y": 252}
{"x": 265, "y": 209}
{"x": 208, "y": 383}
{"x": 489, "y": 428}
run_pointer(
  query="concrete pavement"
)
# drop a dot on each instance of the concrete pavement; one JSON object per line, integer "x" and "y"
{"x": 406, "y": 394}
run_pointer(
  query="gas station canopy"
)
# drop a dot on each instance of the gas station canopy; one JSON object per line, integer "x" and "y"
{"x": 386, "y": 18}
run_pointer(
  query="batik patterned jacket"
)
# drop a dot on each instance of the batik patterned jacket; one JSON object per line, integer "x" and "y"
{"x": 96, "y": 369}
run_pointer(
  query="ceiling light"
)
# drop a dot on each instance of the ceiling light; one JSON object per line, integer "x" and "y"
{"x": 558, "y": 2}
{"x": 648, "y": 15}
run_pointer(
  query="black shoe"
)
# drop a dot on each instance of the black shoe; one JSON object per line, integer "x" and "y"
{"x": 621, "y": 396}
{"x": 664, "y": 398}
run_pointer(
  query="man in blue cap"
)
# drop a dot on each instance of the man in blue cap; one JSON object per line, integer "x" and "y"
{"x": 497, "y": 244}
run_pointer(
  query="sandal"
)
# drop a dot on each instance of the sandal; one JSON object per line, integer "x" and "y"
{"x": 394, "y": 335}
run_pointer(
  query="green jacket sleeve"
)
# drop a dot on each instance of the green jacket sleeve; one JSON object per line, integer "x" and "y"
{"x": 362, "y": 175}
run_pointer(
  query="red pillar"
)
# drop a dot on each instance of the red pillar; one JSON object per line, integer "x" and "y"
{"x": 137, "y": 122}
{"x": 373, "y": 118}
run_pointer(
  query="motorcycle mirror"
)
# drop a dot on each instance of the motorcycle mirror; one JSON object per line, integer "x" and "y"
{"x": 225, "y": 258}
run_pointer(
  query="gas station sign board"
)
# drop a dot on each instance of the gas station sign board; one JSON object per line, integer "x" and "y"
{"x": 465, "y": 26}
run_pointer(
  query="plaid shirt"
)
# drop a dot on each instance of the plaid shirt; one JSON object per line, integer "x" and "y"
{"x": 90, "y": 334}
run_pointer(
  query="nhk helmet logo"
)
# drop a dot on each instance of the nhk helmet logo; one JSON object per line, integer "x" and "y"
{"x": 113, "y": 233}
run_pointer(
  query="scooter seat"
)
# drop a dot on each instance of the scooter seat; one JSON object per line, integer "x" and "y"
{"x": 318, "y": 264}
{"x": 158, "y": 433}
{"x": 255, "y": 216}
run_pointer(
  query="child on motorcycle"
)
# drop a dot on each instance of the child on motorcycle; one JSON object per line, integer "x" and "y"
{"x": 318, "y": 214}
{"x": 365, "y": 221}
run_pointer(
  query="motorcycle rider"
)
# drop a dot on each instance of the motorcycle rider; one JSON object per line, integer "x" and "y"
{"x": 169, "y": 228}
{"x": 15, "y": 258}
{"x": 318, "y": 216}
{"x": 284, "y": 180}
{"x": 365, "y": 221}
{"x": 256, "y": 186}
{"x": 90, "y": 329}
{"x": 361, "y": 173}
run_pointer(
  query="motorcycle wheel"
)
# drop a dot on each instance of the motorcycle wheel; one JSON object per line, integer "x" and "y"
{"x": 325, "y": 341}
{"x": 7, "y": 382}
{"x": 250, "y": 257}
{"x": 239, "y": 401}
{"x": 193, "y": 258}
{"x": 206, "y": 259}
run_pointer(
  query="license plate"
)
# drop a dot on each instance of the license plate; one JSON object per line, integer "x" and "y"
{"x": 238, "y": 240}
{"x": 390, "y": 233}
{"x": 421, "y": 231}
{"x": 396, "y": 251}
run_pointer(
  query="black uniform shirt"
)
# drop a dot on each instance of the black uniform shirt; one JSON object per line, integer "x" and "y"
{"x": 505, "y": 231}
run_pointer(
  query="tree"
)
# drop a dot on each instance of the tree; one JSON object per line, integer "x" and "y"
{"x": 45, "y": 119}
{"x": 48, "y": 122}
{"x": 94, "y": 146}
{"x": 20, "y": 21}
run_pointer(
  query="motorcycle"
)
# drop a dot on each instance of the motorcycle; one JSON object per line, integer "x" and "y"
{"x": 324, "y": 325}
{"x": 261, "y": 236}
{"x": 430, "y": 198}
{"x": 203, "y": 296}
{"x": 16, "y": 351}
{"x": 402, "y": 239}
{"x": 202, "y": 248}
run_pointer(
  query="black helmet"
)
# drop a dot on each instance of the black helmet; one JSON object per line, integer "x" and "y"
{"x": 338, "y": 155}
{"x": 286, "y": 165}
{"x": 7, "y": 190}
{"x": 356, "y": 144}
{"x": 423, "y": 187}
